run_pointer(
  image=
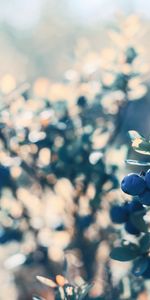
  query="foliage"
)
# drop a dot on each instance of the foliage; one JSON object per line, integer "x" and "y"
{"x": 64, "y": 290}
{"x": 59, "y": 177}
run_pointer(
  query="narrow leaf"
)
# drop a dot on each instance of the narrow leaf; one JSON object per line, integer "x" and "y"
{"x": 137, "y": 162}
{"x": 84, "y": 289}
{"x": 125, "y": 253}
{"x": 134, "y": 135}
{"x": 37, "y": 298}
{"x": 139, "y": 143}
{"x": 46, "y": 281}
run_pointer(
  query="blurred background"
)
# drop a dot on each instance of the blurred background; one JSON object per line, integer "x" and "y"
{"x": 39, "y": 38}
{"x": 74, "y": 78}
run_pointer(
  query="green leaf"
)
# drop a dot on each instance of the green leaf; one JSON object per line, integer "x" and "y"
{"x": 70, "y": 292}
{"x": 139, "y": 143}
{"x": 140, "y": 266}
{"x": 137, "y": 162}
{"x": 145, "y": 243}
{"x": 137, "y": 220}
{"x": 60, "y": 294}
{"x": 125, "y": 253}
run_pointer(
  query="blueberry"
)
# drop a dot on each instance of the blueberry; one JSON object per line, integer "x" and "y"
{"x": 119, "y": 214}
{"x": 84, "y": 221}
{"x": 130, "y": 55}
{"x": 5, "y": 176}
{"x": 130, "y": 228}
{"x": 140, "y": 265}
{"x": 145, "y": 198}
{"x": 133, "y": 184}
{"x": 147, "y": 178}
{"x": 135, "y": 205}
{"x": 146, "y": 274}
{"x": 82, "y": 101}
{"x": 8, "y": 235}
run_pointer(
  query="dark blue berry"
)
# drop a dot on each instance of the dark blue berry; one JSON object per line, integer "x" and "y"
{"x": 119, "y": 214}
{"x": 145, "y": 197}
{"x": 5, "y": 177}
{"x": 133, "y": 184}
{"x": 130, "y": 228}
{"x": 8, "y": 235}
{"x": 140, "y": 265}
{"x": 84, "y": 221}
{"x": 147, "y": 178}
{"x": 146, "y": 274}
{"x": 130, "y": 55}
{"x": 82, "y": 101}
{"x": 135, "y": 205}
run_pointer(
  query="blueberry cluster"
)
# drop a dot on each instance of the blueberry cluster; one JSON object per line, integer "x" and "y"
{"x": 138, "y": 185}
{"x": 135, "y": 185}
{"x": 121, "y": 214}
{"x": 131, "y": 215}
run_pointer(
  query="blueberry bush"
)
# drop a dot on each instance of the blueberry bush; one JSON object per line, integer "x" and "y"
{"x": 134, "y": 214}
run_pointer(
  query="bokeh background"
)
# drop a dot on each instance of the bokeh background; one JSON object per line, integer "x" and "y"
{"x": 74, "y": 78}
{"x": 40, "y": 37}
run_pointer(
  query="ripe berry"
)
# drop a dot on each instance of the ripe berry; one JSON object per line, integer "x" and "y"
{"x": 145, "y": 198}
{"x": 133, "y": 184}
{"x": 130, "y": 228}
{"x": 5, "y": 176}
{"x": 84, "y": 221}
{"x": 119, "y": 214}
{"x": 82, "y": 101}
{"x": 135, "y": 205}
{"x": 147, "y": 178}
{"x": 146, "y": 274}
{"x": 8, "y": 235}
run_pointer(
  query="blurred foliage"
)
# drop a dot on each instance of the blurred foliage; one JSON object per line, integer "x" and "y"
{"x": 59, "y": 162}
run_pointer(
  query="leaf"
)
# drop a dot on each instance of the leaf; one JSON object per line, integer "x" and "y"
{"x": 137, "y": 163}
{"x": 134, "y": 135}
{"x": 125, "y": 253}
{"x": 138, "y": 221}
{"x": 95, "y": 157}
{"x": 68, "y": 292}
{"x": 46, "y": 281}
{"x": 15, "y": 261}
{"x": 139, "y": 143}
{"x": 145, "y": 243}
{"x": 140, "y": 266}
{"x": 37, "y": 298}
{"x": 60, "y": 294}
